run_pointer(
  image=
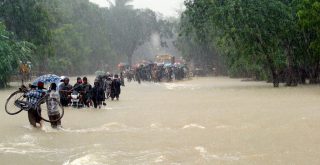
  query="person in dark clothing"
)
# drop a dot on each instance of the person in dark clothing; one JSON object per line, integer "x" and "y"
{"x": 101, "y": 80}
{"x": 64, "y": 91}
{"x": 122, "y": 78}
{"x": 86, "y": 91}
{"x": 78, "y": 89}
{"x": 137, "y": 75}
{"x": 97, "y": 94}
{"x": 115, "y": 88}
{"x": 78, "y": 85}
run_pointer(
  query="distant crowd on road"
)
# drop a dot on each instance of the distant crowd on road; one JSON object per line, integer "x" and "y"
{"x": 156, "y": 72}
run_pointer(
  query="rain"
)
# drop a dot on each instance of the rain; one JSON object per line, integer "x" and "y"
{"x": 159, "y": 82}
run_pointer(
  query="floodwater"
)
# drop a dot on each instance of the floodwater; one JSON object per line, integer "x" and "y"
{"x": 199, "y": 121}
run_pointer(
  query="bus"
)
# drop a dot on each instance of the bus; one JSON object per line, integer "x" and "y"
{"x": 165, "y": 59}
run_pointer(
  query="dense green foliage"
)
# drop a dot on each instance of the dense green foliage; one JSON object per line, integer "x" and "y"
{"x": 262, "y": 39}
{"x": 11, "y": 52}
{"x": 76, "y": 36}
{"x": 273, "y": 40}
{"x": 30, "y": 21}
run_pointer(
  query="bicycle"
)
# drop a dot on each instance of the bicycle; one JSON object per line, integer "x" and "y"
{"x": 18, "y": 102}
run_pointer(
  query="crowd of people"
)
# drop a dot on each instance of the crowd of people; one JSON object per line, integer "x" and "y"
{"x": 157, "y": 72}
{"x": 104, "y": 87}
{"x": 84, "y": 94}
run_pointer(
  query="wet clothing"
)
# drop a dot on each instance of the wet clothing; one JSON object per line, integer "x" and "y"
{"x": 54, "y": 122}
{"x": 115, "y": 89}
{"x": 53, "y": 108}
{"x": 102, "y": 82}
{"x": 108, "y": 91}
{"x": 87, "y": 93}
{"x": 53, "y": 105}
{"x": 63, "y": 91}
{"x": 98, "y": 96}
{"x": 33, "y": 117}
{"x": 33, "y": 97}
{"x": 78, "y": 87}
{"x": 122, "y": 79}
{"x": 65, "y": 86}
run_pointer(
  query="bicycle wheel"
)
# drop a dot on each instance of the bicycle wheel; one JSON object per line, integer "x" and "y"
{"x": 46, "y": 106}
{"x": 16, "y": 103}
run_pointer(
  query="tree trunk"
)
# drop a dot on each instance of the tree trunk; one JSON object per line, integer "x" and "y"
{"x": 274, "y": 72}
{"x": 275, "y": 76}
{"x": 291, "y": 79}
{"x": 303, "y": 76}
{"x": 314, "y": 75}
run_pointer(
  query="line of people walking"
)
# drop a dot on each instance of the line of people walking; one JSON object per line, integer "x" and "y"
{"x": 83, "y": 94}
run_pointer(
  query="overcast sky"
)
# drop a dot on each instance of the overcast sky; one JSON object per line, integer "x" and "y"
{"x": 166, "y": 7}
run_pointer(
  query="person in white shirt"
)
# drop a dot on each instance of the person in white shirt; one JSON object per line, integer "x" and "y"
{"x": 53, "y": 106}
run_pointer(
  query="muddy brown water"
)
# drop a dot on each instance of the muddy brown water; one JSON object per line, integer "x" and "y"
{"x": 199, "y": 121}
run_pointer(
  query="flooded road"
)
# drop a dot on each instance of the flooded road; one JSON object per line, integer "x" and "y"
{"x": 201, "y": 121}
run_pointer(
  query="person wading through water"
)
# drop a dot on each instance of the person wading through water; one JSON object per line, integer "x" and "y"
{"x": 86, "y": 91}
{"x": 34, "y": 95}
{"x": 64, "y": 91}
{"x": 115, "y": 88}
{"x": 53, "y": 111}
{"x": 98, "y": 95}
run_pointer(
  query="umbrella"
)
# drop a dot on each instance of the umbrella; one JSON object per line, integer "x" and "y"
{"x": 47, "y": 79}
{"x": 100, "y": 73}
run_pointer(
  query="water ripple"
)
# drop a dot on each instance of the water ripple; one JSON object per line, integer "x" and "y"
{"x": 193, "y": 125}
{"x": 225, "y": 157}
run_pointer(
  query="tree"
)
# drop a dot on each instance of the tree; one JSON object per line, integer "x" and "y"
{"x": 80, "y": 41}
{"x": 257, "y": 38}
{"x": 129, "y": 28}
{"x": 11, "y": 52}
{"x": 309, "y": 19}
{"x": 30, "y": 21}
